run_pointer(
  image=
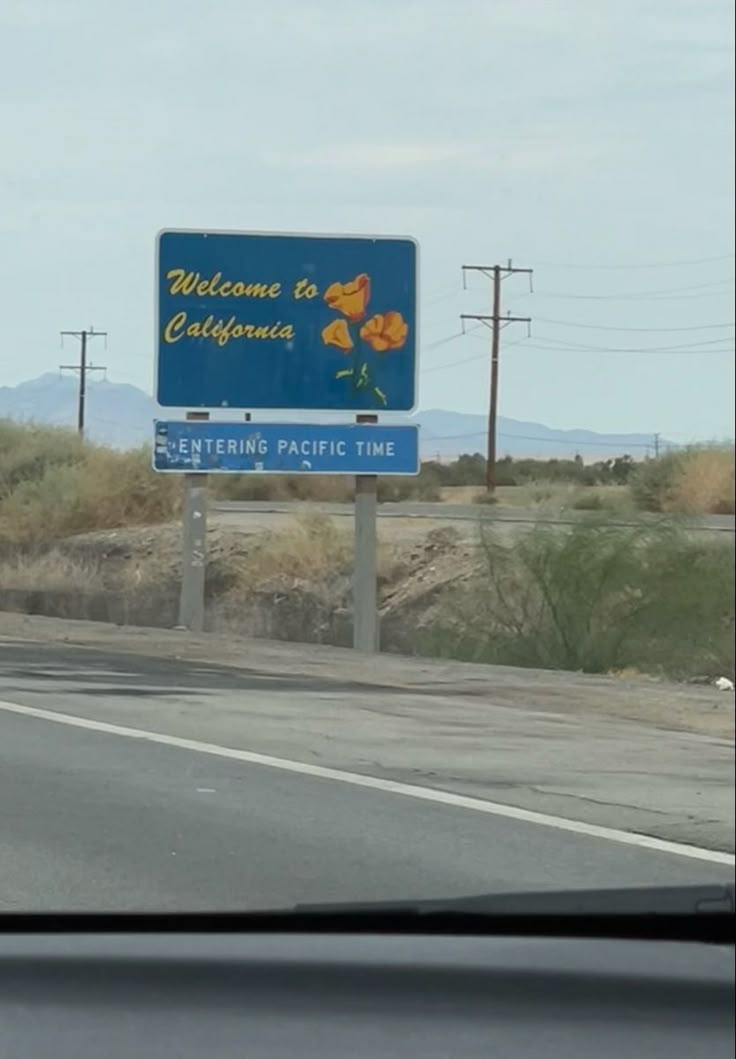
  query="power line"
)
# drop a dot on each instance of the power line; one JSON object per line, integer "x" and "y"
{"x": 450, "y": 338}
{"x": 453, "y": 364}
{"x": 653, "y": 295}
{"x": 532, "y": 347}
{"x": 592, "y": 327}
{"x": 690, "y": 297}
{"x": 654, "y": 264}
{"x": 608, "y": 327}
{"x": 441, "y": 290}
{"x": 440, "y": 298}
{"x": 575, "y": 348}
{"x": 442, "y": 341}
{"x": 694, "y": 347}
{"x": 109, "y": 422}
{"x": 573, "y": 442}
{"x": 468, "y": 360}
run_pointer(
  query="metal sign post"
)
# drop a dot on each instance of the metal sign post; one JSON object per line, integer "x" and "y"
{"x": 194, "y": 547}
{"x": 366, "y": 631}
{"x": 249, "y": 321}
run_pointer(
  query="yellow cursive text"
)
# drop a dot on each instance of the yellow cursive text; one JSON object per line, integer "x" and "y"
{"x": 304, "y": 288}
{"x": 182, "y": 282}
{"x": 222, "y": 331}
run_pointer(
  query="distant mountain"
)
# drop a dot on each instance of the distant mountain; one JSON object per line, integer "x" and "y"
{"x": 121, "y": 415}
{"x": 451, "y": 433}
{"x": 116, "y": 414}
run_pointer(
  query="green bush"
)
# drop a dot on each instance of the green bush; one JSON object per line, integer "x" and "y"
{"x": 654, "y": 482}
{"x": 470, "y": 469}
{"x": 596, "y": 599}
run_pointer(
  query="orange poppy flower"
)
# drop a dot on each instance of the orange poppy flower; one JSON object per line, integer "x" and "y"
{"x": 350, "y": 299}
{"x": 385, "y": 331}
{"x": 337, "y": 334}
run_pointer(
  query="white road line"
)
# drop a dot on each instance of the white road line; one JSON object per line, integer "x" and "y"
{"x": 408, "y": 790}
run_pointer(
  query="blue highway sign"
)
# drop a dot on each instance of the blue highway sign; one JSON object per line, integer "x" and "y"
{"x": 285, "y": 448}
{"x": 286, "y": 322}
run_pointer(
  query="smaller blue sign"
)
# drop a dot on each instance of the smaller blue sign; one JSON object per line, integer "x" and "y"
{"x": 285, "y": 448}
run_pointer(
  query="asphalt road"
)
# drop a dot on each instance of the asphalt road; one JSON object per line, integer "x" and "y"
{"x": 96, "y": 819}
{"x": 460, "y": 513}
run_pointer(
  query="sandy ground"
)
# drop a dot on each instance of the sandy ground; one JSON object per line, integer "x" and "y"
{"x": 688, "y": 708}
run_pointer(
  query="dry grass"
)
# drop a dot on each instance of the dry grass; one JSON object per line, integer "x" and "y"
{"x": 309, "y": 548}
{"x": 52, "y": 485}
{"x": 554, "y": 497}
{"x": 705, "y": 484}
{"x": 50, "y": 572}
{"x": 461, "y": 494}
{"x": 695, "y": 481}
{"x": 312, "y": 547}
{"x": 615, "y": 499}
{"x": 295, "y": 584}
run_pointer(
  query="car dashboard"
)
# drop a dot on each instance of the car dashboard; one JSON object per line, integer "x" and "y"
{"x": 73, "y": 996}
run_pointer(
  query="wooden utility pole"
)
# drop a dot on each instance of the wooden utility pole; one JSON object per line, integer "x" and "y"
{"x": 496, "y": 273}
{"x": 83, "y": 368}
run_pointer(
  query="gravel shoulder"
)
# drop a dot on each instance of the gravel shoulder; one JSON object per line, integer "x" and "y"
{"x": 676, "y": 707}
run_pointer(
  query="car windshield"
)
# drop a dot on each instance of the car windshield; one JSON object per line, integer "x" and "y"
{"x": 366, "y": 451}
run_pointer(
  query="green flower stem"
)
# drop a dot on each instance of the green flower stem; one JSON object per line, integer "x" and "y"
{"x": 360, "y": 372}
{"x": 355, "y": 335}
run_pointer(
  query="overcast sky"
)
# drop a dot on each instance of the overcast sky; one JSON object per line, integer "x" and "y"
{"x": 591, "y": 140}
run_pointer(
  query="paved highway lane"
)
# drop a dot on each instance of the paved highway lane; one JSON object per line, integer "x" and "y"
{"x": 92, "y": 818}
{"x": 449, "y": 512}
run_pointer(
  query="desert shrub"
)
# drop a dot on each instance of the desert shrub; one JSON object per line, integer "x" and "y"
{"x": 52, "y": 485}
{"x": 598, "y": 598}
{"x": 693, "y": 481}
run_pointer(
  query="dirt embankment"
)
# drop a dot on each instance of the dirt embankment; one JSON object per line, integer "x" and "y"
{"x": 288, "y": 583}
{"x": 585, "y": 599}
